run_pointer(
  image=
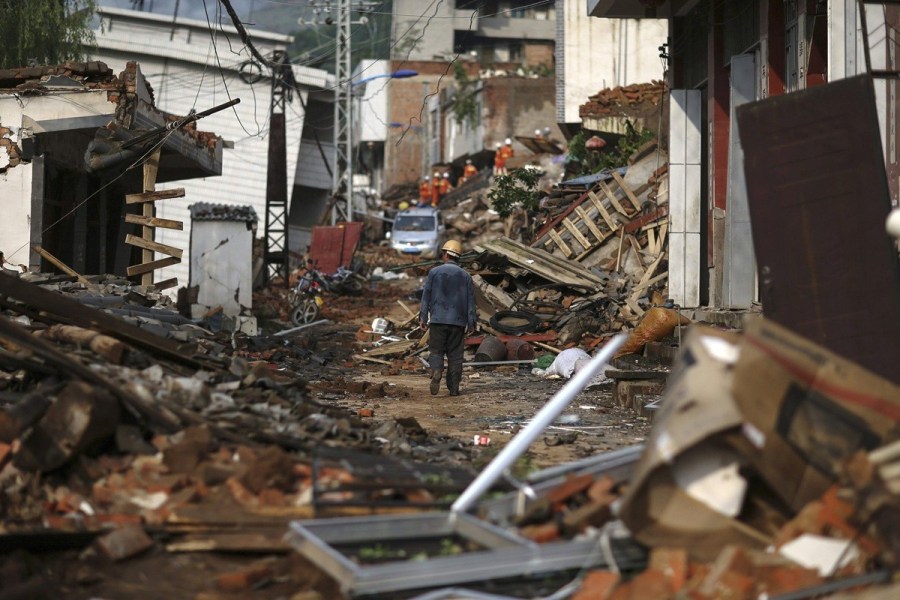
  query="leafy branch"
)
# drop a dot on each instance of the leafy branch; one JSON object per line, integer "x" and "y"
{"x": 465, "y": 104}
{"x": 518, "y": 188}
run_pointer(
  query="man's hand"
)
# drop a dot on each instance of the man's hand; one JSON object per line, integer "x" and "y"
{"x": 423, "y": 325}
{"x": 470, "y": 330}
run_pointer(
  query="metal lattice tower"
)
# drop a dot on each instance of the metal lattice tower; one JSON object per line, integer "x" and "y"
{"x": 342, "y": 206}
{"x": 276, "y": 254}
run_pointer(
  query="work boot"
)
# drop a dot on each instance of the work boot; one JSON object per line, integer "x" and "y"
{"x": 435, "y": 381}
{"x": 454, "y": 377}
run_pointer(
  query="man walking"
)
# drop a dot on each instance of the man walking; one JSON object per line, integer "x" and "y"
{"x": 448, "y": 309}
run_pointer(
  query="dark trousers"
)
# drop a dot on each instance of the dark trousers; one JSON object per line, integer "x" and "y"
{"x": 447, "y": 340}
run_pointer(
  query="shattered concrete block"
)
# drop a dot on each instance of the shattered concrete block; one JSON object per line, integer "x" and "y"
{"x": 598, "y": 585}
{"x": 273, "y": 468}
{"x": 124, "y": 542}
{"x": 186, "y": 454}
{"x": 81, "y": 417}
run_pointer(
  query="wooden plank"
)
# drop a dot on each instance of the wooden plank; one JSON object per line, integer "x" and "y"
{"x": 559, "y": 242}
{"x": 661, "y": 241}
{"x": 59, "y": 264}
{"x": 628, "y": 193}
{"x": 154, "y": 246}
{"x": 148, "y": 210}
{"x": 370, "y": 359}
{"x": 568, "y": 224}
{"x": 154, "y": 222}
{"x": 154, "y": 196}
{"x": 650, "y": 217}
{"x": 645, "y": 279}
{"x": 651, "y": 241}
{"x": 551, "y": 267}
{"x": 152, "y": 266}
{"x": 166, "y": 284}
{"x": 636, "y": 247}
{"x": 619, "y": 253}
{"x": 607, "y": 191}
{"x": 590, "y": 224}
{"x": 633, "y": 305}
{"x": 598, "y": 204}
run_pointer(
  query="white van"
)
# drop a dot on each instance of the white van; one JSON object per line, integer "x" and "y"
{"x": 418, "y": 232}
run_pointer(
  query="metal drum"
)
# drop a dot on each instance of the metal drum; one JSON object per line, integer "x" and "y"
{"x": 490, "y": 350}
{"x": 517, "y": 349}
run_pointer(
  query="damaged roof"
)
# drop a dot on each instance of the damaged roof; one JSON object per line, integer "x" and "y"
{"x": 130, "y": 93}
{"x": 622, "y": 99}
{"x": 205, "y": 211}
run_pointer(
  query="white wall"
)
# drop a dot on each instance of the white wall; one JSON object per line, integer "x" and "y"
{"x": 38, "y": 113}
{"x": 184, "y": 73}
{"x": 605, "y": 53}
{"x": 372, "y": 101}
{"x": 221, "y": 255}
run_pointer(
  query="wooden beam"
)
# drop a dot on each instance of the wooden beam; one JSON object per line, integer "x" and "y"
{"x": 154, "y": 246}
{"x": 568, "y": 224}
{"x": 628, "y": 193}
{"x": 152, "y": 266}
{"x": 607, "y": 191}
{"x": 598, "y": 204}
{"x": 59, "y": 264}
{"x": 166, "y": 284}
{"x": 154, "y": 222}
{"x": 559, "y": 242}
{"x": 590, "y": 224}
{"x": 154, "y": 196}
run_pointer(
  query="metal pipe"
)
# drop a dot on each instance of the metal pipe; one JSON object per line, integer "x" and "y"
{"x": 545, "y": 417}
{"x": 301, "y": 327}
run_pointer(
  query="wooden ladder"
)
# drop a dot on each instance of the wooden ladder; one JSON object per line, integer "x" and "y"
{"x": 149, "y": 222}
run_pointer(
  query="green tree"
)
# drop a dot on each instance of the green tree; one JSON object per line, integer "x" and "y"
{"x": 517, "y": 189}
{"x": 44, "y": 32}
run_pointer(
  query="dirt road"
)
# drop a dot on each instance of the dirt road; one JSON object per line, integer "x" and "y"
{"x": 495, "y": 402}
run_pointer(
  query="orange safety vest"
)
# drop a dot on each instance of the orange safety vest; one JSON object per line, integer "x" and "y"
{"x": 506, "y": 152}
{"x": 424, "y": 190}
{"x": 470, "y": 170}
{"x": 435, "y": 191}
{"x": 445, "y": 186}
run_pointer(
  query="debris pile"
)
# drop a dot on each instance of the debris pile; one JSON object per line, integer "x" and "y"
{"x": 116, "y": 413}
{"x": 607, "y": 101}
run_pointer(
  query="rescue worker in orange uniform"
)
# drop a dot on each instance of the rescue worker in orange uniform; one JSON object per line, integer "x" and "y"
{"x": 425, "y": 191}
{"x": 499, "y": 162}
{"x": 507, "y": 152}
{"x": 446, "y": 186}
{"x": 435, "y": 189}
{"x": 469, "y": 170}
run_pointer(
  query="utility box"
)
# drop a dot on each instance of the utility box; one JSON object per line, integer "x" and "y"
{"x": 221, "y": 254}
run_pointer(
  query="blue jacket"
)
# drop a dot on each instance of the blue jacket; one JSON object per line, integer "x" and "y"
{"x": 449, "y": 297}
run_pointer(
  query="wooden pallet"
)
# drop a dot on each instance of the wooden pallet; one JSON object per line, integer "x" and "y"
{"x": 592, "y": 221}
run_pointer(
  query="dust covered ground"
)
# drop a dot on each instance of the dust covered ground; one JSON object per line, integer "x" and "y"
{"x": 495, "y": 402}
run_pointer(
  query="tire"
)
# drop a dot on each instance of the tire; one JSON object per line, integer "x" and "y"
{"x": 531, "y": 321}
{"x": 305, "y": 312}
{"x": 352, "y": 286}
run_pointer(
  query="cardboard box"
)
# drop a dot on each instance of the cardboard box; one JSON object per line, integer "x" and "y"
{"x": 807, "y": 410}
{"x": 751, "y": 429}
{"x": 696, "y": 417}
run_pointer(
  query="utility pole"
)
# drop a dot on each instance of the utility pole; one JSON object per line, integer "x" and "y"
{"x": 276, "y": 253}
{"x": 338, "y": 13}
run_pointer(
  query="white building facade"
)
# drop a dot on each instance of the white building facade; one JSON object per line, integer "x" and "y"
{"x": 192, "y": 67}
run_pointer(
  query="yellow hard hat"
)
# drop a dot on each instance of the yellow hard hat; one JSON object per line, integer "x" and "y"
{"x": 452, "y": 247}
{"x": 403, "y": 205}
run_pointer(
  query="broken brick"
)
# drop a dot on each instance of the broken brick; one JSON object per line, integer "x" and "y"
{"x": 598, "y": 585}
{"x": 777, "y": 580}
{"x": 244, "y": 579}
{"x": 671, "y": 562}
{"x": 366, "y": 412}
{"x": 545, "y": 532}
{"x": 272, "y": 468}
{"x": 570, "y": 487}
{"x": 593, "y": 514}
{"x": 649, "y": 584}
{"x": 124, "y": 542}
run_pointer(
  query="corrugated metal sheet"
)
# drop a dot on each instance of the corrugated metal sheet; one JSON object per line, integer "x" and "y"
{"x": 818, "y": 203}
{"x": 333, "y": 247}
